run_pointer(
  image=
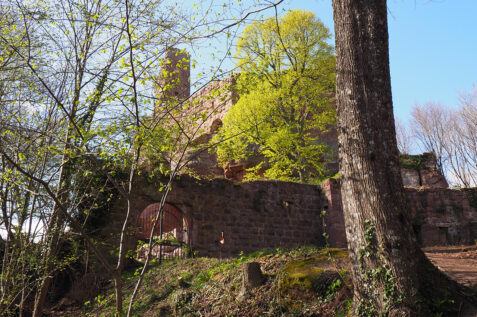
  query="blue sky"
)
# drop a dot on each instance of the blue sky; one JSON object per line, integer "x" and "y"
{"x": 433, "y": 48}
{"x": 432, "y": 45}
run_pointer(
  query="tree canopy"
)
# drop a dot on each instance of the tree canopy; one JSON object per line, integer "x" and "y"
{"x": 286, "y": 87}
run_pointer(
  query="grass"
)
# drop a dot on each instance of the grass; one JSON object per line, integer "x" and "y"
{"x": 211, "y": 286}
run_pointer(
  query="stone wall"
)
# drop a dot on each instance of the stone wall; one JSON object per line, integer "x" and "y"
{"x": 270, "y": 214}
{"x": 421, "y": 170}
{"x": 334, "y": 221}
{"x": 207, "y": 108}
{"x": 441, "y": 216}
{"x": 214, "y": 100}
{"x": 173, "y": 83}
{"x": 251, "y": 216}
{"x": 204, "y": 113}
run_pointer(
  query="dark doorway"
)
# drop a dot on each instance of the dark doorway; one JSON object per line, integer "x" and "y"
{"x": 443, "y": 236}
{"x": 418, "y": 232}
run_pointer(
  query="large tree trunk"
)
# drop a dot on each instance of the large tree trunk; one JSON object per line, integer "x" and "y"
{"x": 390, "y": 272}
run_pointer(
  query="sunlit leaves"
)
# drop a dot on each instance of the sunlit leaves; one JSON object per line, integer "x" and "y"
{"x": 286, "y": 86}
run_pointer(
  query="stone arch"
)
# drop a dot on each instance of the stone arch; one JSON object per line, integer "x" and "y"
{"x": 175, "y": 224}
{"x": 215, "y": 125}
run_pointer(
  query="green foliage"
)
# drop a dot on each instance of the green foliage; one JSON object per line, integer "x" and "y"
{"x": 205, "y": 276}
{"x": 99, "y": 195}
{"x": 378, "y": 279}
{"x": 285, "y": 87}
{"x": 412, "y": 161}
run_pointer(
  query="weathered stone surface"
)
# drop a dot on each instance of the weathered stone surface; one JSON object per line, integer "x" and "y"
{"x": 410, "y": 177}
{"x": 421, "y": 170}
{"x": 440, "y": 216}
{"x": 224, "y": 218}
{"x": 248, "y": 217}
{"x": 333, "y": 214}
{"x": 252, "y": 275}
{"x": 215, "y": 100}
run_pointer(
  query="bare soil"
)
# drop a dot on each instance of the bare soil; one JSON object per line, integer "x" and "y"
{"x": 458, "y": 262}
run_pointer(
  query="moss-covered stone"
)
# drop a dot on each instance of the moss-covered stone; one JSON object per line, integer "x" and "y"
{"x": 309, "y": 275}
{"x": 327, "y": 283}
{"x": 300, "y": 274}
{"x": 413, "y": 161}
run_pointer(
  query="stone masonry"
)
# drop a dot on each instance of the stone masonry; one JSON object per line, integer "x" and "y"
{"x": 249, "y": 216}
{"x": 440, "y": 216}
{"x": 207, "y": 108}
{"x": 270, "y": 214}
{"x": 421, "y": 170}
{"x": 225, "y": 218}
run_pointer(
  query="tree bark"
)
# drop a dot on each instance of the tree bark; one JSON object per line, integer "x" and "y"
{"x": 53, "y": 232}
{"x": 390, "y": 272}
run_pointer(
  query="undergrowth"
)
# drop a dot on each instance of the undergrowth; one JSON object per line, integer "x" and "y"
{"x": 298, "y": 282}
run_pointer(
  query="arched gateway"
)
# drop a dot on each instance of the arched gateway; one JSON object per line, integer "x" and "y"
{"x": 174, "y": 227}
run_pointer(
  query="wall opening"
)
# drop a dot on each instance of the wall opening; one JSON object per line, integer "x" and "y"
{"x": 175, "y": 232}
{"x": 418, "y": 233}
{"x": 216, "y": 124}
{"x": 443, "y": 236}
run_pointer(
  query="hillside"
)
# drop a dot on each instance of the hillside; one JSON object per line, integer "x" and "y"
{"x": 297, "y": 282}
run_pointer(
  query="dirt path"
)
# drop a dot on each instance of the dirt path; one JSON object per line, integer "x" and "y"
{"x": 459, "y": 263}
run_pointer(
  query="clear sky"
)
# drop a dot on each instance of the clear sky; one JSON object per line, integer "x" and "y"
{"x": 432, "y": 45}
{"x": 433, "y": 48}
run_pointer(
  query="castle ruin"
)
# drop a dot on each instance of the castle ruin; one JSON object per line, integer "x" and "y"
{"x": 221, "y": 218}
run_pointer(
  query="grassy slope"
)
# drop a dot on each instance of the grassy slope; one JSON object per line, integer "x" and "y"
{"x": 299, "y": 282}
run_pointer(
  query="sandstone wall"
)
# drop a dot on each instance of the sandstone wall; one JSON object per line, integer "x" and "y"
{"x": 335, "y": 227}
{"x": 214, "y": 100}
{"x": 421, "y": 170}
{"x": 173, "y": 83}
{"x": 441, "y": 216}
{"x": 270, "y": 214}
{"x": 208, "y": 106}
{"x": 251, "y": 216}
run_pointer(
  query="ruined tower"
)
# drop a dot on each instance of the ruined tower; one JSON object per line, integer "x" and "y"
{"x": 173, "y": 84}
